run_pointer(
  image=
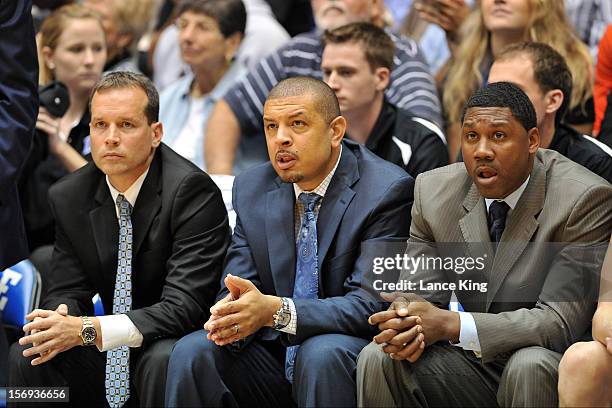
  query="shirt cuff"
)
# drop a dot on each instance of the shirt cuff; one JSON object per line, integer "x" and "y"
{"x": 468, "y": 335}
{"x": 118, "y": 330}
{"x": 291, "y": 328}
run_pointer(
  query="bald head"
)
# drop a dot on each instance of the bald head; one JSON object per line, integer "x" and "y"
{"x": 324, "y": 97}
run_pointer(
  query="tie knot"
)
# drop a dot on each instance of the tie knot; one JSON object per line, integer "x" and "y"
{"x": 125, "y": 208}
{"x": 498, "y": 210}
{"x": 309, "y": 200}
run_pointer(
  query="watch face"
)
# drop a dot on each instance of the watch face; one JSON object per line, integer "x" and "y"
{"x": 285, "y": 317}
{"x": 89, "y": 335}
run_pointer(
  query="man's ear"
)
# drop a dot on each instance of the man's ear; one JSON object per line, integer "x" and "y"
{"x": 158, "y": 133}
{"x": 377, "y": 13}
{"x": 337, "y": 127}
{"x": 554, "y": 99}
{"x": 382, "y": 76}
{"x": 534, "y": 140}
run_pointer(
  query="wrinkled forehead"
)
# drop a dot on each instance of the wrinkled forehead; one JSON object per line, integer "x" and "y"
{"x": 303, "y": 105}
{"x": 488, "y": 115}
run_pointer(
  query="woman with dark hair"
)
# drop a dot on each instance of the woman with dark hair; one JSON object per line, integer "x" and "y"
{"x": 210, "y": 33}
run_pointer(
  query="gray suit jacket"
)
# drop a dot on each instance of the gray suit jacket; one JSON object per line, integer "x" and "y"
{"x": 537, "y": 293}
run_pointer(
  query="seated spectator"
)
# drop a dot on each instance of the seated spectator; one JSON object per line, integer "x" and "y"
{"x": 210, "y": 33}
{"x": 124, "y": 23}
{"x": 263, "y": 34}
{"x": 438, "y": 22}
{"x": 590, "y": 19}
{"x": 585, "y": 371}
{"x": 497, "y": 24}
{"x": 72, "y": 51}
{"x": 603, "y": 79}
{"x": 237, "y": 114}
{"x": 294, "y": 277}
{"x": 356, "y": 63}
{"x": 144, "y": 228}
{"x": 541, "y": 72}
{"x": 508, "y": 203}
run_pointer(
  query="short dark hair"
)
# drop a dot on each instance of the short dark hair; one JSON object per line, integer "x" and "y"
{"x": 504, "y": 95}
{"x": 230, "y": 15}
{"x": 377, "y": 46}
{"x": 325, "y": 97}
{"x": 549, "y": 69}
{"x": 124, "y": 79}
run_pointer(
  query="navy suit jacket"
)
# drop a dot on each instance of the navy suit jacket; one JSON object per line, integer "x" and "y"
{"x": 18, "y": 112}
{"x": 368, "y": 199}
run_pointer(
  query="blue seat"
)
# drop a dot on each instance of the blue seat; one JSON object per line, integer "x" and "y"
{"x": 98, "y": 306}
{"x": 20, "y": 287}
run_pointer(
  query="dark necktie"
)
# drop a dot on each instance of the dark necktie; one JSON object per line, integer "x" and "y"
{"x": 498, "y": 210}
{"x": 307, "y": 269}
{"x": 117, "y": 378}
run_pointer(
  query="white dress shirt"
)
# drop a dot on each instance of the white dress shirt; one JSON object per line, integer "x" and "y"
{"x": 468, "y": 335}
{"x": 321, "y": 189}
{"x": 119, "y": 330}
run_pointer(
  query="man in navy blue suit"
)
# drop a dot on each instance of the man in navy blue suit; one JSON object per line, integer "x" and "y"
{"x": 292, "y": 317}
{"x": 18, "y": 110}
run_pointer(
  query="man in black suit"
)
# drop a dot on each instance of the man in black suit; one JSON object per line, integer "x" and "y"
{"x": 18, "y": 111}
{"x": 145, "y": 229}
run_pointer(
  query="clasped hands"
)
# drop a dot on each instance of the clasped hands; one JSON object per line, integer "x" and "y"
{"x": 410, "y": 324}
{"x": 51, "y": 332}
{"x": 241, "y": 313}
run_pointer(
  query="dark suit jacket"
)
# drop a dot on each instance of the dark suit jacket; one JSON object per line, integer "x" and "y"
{"x": 542, "y": 274}
{"x": 368, "y": 199}
{"x": 18, "y": 111}
{"x": 180, "y": 232}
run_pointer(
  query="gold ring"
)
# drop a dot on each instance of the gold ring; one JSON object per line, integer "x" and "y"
{"x": 237, "y": 327}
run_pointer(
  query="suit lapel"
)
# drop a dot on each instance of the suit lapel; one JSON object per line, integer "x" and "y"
{"x": 520, "y": 227}
{"x": 337, "y": 198}
{"x": 148, "y": 202}
{"x": 474, "y": 226}
{"x": 280, "y": 236}
{"x": 105, "y": 228}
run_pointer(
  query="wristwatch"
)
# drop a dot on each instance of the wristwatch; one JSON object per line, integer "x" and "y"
{"x": 88, "y": 332}
{"x": 282, "y": 317}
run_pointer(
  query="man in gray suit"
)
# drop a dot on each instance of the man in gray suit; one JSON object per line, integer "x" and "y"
{"x": 531, "y": 216}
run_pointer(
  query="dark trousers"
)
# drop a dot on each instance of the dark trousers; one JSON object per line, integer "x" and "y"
{"x": 200, "y": 373}
{"x": 82, "y": 369}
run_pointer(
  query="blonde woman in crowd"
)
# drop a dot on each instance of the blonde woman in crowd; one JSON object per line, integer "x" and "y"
{"x": 585, "y": 372}
{"x": 491, "y": 26}
{"x": 72, "y": 50}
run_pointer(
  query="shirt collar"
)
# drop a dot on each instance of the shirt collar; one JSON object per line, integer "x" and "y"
{"x": 321, "y": 189}
{"x": 511, "y": 199}
{"x": 131, "y": 194}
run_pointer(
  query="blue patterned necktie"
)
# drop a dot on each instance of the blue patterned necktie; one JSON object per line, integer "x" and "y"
{"x": 117, "y": 379}
{"x": 307, "y": 268}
